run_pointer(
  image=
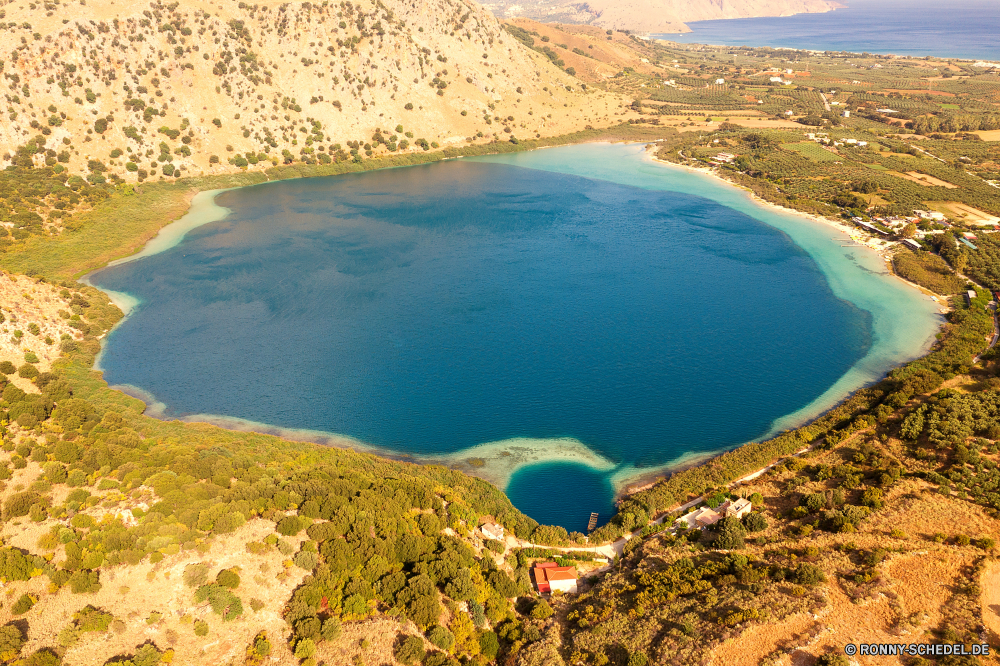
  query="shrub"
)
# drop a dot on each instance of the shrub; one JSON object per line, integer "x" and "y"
{"x": 409, "y": 650}
{"x": 19, "y": 504}
{"x": 84, "y": 582}
{"x": 489, "y": 645}
{"x": 7, "y": 368}
{"x": 228, "y": 578}
{"x": 291, "y": 525}
{"x": 494, "y": 545}
{"x": 731, "y": 534}
{"x": 11, "y": 642}
{"x": 331, "y": 629}
{"x": 196, "y": 575}
{"x": 756, "y": 522}
{"x": 27, "y": 371}
{"x": 200, "y": 628}
{"x": 808, "y": 574}
{"x": 440, "y": 637}
{"x": 409, "y": 106}
{"x": 22, "y": 605}
{"x": 541, "y": 610}
{"x": 306, "y": 560}
{"x": 92, "y": 619}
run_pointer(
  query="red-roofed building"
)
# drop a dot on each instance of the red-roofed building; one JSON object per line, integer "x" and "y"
{"x": 552, "y": 578}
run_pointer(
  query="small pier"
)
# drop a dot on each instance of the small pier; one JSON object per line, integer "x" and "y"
{"x": 593, "y": 522}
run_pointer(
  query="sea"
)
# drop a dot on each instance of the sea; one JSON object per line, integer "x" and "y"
{"x": 643, "y": 313}
{"x": 956, "y": 29}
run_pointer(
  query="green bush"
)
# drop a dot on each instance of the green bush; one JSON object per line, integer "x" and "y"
{"x": 331, "y": 629}
{"x": 196, "y": 575}
{"x": 541, "y": 610}
{"x": 200, "y": 628}
{"x": 409, "y": 650}
{"x": 228, "y": 578}
{"x": 90, "y": 619}
{"x": 291, "y": 525}
{"x": 755, "y": 522}
{"x": 19, "y": 504}
{"x": 11, "y": 642}
{"x": 441, "y": 637}
{"x": 22, "y": 605}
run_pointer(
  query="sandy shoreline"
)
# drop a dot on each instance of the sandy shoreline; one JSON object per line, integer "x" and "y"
{"x": 881, "y": 248}
{"x": 495, "y": 462}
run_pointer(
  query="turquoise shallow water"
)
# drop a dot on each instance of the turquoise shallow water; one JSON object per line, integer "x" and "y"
{"x": 581, "y": 292}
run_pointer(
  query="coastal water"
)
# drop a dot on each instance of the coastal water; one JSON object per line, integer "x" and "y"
{"x": 647, "y": 313}
{"x": 956, "y": 29}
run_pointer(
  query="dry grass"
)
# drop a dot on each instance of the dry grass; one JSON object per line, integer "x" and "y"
{"x": 24, "y": 302}
{"x": 963, "y": 212}
{"x": 923, "y": 179}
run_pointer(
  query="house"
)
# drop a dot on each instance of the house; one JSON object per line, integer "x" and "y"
{"x": 703, "y": 517}
{"x": 552, "y": 578}
{"x": 490, "y": 529}
{"x": 969, "y": 295}
{"x": 736, "y": 509}
{"x": 719, "y": 82}
{"x": 910, "y": 243}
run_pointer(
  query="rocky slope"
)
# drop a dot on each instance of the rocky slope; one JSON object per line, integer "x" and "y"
{"x": 141, "y": 90}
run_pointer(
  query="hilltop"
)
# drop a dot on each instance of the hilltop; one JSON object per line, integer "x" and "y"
{"x": 135, "y": 91}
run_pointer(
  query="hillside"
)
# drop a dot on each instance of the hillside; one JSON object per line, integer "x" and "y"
{"x": 139, "y": 91}
{"x": 129, "y": 540}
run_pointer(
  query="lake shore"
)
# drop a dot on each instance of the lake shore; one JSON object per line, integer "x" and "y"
{"x": 883, "y": 249}
{"x": 492, "y": 461}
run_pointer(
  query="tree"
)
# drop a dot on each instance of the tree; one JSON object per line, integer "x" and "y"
{"x": 730, "y": 533}
{"x": 541, "y": 610}
{"x": 409, "y": 650}
{"x": 440, "y": 637}
{"x": 908, "y": 231}
{"x": 11, "y": 642}
{"x": 756, "y": 522}
{"x": 489, "y": 645}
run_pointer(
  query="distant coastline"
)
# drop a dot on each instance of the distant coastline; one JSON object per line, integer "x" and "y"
{"x": 965, "y": 29}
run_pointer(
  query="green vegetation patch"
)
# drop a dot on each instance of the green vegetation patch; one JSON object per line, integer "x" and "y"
{"x": 812, "y": 150}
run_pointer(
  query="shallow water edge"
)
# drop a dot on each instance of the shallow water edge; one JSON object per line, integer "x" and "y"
{"x": 498, "y": 461}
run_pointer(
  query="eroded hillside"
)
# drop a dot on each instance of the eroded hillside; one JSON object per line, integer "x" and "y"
{"x": 140, "y": 91}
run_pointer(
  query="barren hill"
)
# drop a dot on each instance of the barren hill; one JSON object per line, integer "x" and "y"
{"x": 137, "y": 90}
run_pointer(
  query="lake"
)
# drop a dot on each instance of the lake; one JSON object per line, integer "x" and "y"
{"x": 565, "y": 318}
{"x": 960, "y": 29}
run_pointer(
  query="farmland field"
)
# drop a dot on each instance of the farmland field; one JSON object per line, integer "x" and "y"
{"x": 812, "y": 150}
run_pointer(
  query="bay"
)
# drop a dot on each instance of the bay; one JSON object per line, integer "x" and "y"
{"x": 960, "y": 29}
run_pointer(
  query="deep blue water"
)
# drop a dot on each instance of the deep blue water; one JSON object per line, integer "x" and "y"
{"x": 956, "y": 29}
{"x": 433, "y": 308}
